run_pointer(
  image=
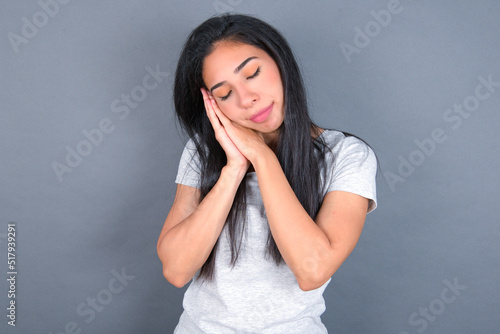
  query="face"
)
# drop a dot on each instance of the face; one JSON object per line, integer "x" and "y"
{"x": 246, "y": 84}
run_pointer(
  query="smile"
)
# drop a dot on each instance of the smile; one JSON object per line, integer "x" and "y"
{"x": 262, "y": 115}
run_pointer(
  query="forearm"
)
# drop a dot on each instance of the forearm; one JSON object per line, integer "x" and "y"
{"x": 187, "y": 245}
{"x": 300, "y": 241}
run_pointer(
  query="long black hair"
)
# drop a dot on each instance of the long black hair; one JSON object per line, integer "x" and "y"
{"x": 300, "y": 154}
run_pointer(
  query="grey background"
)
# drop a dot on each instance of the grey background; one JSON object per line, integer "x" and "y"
{"x": 438, "y": 223}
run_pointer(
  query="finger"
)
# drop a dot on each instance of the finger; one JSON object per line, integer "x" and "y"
{"x": 220, "y": 115}
{"x": 207, "y": 102}
{"x": 217, "y": 113}
{"x": 206, "y": 99}
{"x": 216, "y": 124}
{"x": 205, "y": 93}
{"x": 212, "y": 117}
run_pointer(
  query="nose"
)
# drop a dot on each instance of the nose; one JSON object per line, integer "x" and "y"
{"x": 248, "y": 97}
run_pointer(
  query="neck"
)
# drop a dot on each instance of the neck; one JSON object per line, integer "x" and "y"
{"x": 271, "y": 138}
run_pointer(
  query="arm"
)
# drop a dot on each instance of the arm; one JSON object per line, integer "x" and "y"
{"x": 313, "y": 250}
{"x": 191, "y": 230}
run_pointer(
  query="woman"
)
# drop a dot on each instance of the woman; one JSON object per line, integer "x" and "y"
{"x": 268, "y": 205}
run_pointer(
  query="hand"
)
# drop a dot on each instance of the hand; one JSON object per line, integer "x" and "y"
{"x": 235, "y": 159}
{"x": 247, "y": 141}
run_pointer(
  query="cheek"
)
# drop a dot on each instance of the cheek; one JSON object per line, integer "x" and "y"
{"x": 274, "y": 79}
{"x": 229, "y": 111}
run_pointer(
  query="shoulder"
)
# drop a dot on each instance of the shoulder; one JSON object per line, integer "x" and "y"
{"x": 190, "y": 166}
{"x": 191, "y": 142}
{"x": 351, "y": 165}
{"x": 340, "y": 145}
{"x": 190, "y": 151}
{"x": 192, "y": 148}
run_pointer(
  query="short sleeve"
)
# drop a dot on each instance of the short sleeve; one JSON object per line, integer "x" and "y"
{"x": 353, "y": 169}
{"x": 188, "y": 172}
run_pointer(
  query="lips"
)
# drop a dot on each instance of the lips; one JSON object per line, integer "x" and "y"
{"x": 262, "y": 115}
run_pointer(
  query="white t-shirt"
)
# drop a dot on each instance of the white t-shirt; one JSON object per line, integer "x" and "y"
{"x": 257, "y": 296}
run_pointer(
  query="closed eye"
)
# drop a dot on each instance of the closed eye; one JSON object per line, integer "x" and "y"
{"x": 257, "y": 72}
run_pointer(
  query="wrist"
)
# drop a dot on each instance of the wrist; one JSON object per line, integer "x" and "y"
{"x": 234, "y": 172}
{"x": 263, "y": 158}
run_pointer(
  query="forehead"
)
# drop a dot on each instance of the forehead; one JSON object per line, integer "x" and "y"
{"x": 226, "y": 56}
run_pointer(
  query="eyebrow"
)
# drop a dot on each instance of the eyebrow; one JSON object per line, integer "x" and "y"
{"x": 236, "y": 71}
